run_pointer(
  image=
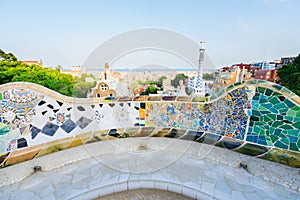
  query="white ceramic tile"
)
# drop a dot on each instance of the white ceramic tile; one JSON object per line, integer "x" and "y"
{"x": 134, "y": 185}
{"x": 161, "y": 185}
{"x": 174, "y": 188}
{"x": 189, "y": 192}
{"x": 120, "y": 187}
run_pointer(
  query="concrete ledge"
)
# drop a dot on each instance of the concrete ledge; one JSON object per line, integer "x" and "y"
{"x": 193, "y": 169}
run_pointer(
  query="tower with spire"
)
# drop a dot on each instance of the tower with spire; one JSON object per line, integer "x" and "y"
{"x": 199, "y": 87}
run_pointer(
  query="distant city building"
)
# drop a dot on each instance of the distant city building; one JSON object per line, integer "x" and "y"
{"x": 287, "y": 60}
{"x": 33, "y": 62}
{"x": 74, "y": 71}
{"x": 102, "y": 90}
{"x": 207, "y": 85}
{"x": 166, "y": 84}
{"x": 235, "y": 73}
{"x": 268, "y": 75}
{"x": 264, "y": 65}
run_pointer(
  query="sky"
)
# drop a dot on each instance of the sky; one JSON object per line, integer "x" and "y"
{"x": 65, "y": 32}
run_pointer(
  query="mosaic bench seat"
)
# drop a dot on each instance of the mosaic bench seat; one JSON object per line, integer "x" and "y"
{"x": 256, "y": 118}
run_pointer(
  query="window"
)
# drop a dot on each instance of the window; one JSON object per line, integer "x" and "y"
{"x": 104, "y": 87}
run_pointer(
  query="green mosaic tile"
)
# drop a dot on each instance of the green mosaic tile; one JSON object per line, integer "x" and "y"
{"x": 263, "y": 100}
{"x": 293, "y": 147}
{"x": 267, "y": 133}
{"x": 263, "y": 108}
{"x": 274, "y": 110}
{"x": 262, "y": 132}
{"x": 267, "y": 105}
{"x": 276, "y": 94}
{"x": 229, "y": 87}
{"x": 256, "y": 129}
{"x": 278, "y": 87}
{"x": 277, "y": 123}
{"x": 268, "y": 92}
{"x": 289, "y": 118}
{"x": 261, "y": 90}
{"x": 285, "y": 141}
{"x": 296, "y": 108}
{"x": 277, "y": 132}
{"x": 280, "y": 106}
{"x": 272, "y": 116}
{"x": 237, "y": 83}
{"x": 255, "y": 113}
{"x": 252, "y": 82}
{"x": 252, "y": 149}
{"x": 274, "y": 138}
{"x": 261, "y": 81}
{"x": 261, "y": 124}
{"x": 274, "y": 100}
{"x": 298, "y": 114}
{"x": 286, "y": 126}
{"x": 292, "y": 113}
{"x": 296, "y": 119}
{"x": 281, "y": 145}
{"x": 297, "y": 125}
{"x": 269, "y": 142}
{"x": 289, "y": 103}
{"x": 283, "y": 111}
{"x": 267, "y": 119}
{"x": 294, "y": 132}
{"x": 290, "y": 158}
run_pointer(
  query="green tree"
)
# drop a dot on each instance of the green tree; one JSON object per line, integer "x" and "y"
{"x": 7, "y": 56}
{"x": 208, "y": 76}
{"x": 178, "y": 77}
{"x": 150, "y": 90}
{"x": 290, "y": 76}
{"x": 160, "y": 80}
{"x": 81, "y": 87}
{"x": 13, "y": 71}
{"x": 58, "y": 67}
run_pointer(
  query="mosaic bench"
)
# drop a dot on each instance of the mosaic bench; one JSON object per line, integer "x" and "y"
{"x": 256, "y": 118}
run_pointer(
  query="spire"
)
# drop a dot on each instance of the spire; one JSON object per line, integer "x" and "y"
{"x": 199, "y": 88}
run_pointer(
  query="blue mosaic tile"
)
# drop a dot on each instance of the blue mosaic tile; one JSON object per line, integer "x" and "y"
{"x": 50, "y": 129}
{"x": 68, "y": 126}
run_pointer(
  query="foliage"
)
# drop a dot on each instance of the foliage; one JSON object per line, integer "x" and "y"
{"x": 290, "y": 76}
{"x": 208, "y": 76}
{"x": 81, "y": 87}
{"x": 150, "y": 90}
{"x": 7, "y": 56}
{"x": 178, "y": 77}
{"x": 160, "y": 80}
{"x": 13, "y": 71}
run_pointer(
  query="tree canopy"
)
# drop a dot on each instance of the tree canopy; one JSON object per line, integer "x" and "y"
{"x": 15, "y": 71}
{"x": 7, "y": 56}
{"x": 178, "y": 77}
{"x": 81, "y": 87}
{"x": 290, "y": 75}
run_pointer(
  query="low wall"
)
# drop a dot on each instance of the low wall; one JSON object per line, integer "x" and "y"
{"x": 256, "y": 118}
